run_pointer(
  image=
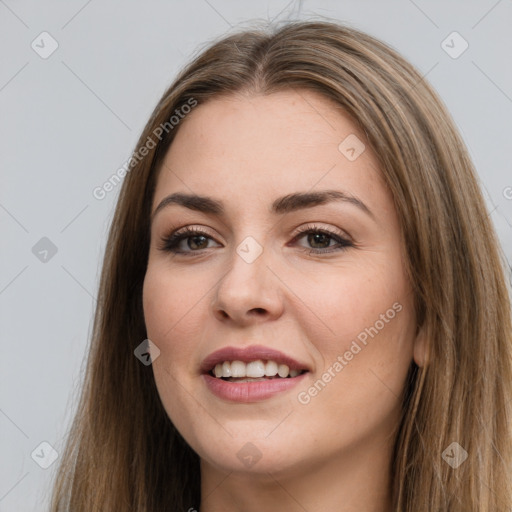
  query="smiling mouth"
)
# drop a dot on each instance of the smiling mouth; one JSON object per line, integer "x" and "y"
{"x": 253, "y": 371}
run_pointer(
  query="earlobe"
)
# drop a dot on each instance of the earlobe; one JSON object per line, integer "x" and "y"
{"x": 421, "y": 348}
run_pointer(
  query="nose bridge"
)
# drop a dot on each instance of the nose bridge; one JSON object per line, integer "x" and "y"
{"x": 247, "y": 284}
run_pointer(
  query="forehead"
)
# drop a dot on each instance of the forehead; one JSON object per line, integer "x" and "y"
{"x": 261, "y": 145}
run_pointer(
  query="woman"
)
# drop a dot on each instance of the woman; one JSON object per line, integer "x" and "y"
{"x": 301, "y": 250}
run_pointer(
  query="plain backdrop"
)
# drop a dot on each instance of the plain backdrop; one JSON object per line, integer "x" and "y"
{"x": 69, "y": 120}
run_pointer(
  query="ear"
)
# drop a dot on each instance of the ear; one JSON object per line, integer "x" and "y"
{"x": 421, "y": 348}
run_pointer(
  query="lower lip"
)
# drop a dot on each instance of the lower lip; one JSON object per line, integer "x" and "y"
{"x": 250, "y": 391}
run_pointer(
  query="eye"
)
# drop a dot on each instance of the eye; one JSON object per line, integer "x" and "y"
{"x": 320, "y": 240}
{"x": 197, "y": 240}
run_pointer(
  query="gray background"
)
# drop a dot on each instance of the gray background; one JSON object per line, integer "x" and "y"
{"x": 69, "y": 121}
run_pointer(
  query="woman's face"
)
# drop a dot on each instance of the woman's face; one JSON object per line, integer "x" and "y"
{"x": 332, "y": 303}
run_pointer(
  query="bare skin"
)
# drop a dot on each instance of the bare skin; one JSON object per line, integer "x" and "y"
{"x": 328, "y": 450}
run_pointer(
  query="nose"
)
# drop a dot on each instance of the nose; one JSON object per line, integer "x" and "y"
{"x": 248, "y": 292}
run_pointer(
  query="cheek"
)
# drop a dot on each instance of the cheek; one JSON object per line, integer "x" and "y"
{"x": 341, "y": 304}
{"x": 364, "y": 339}
{"x": 168, "y": 314}
{"x": 363, "y": 375}
{"x": 170, "y": 303}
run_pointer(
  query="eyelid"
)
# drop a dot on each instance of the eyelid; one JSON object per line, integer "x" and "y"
{"x": 318, "y": 227}
{"x": 192, "y": 227}
{"x": 184, "y": 232}
{"x": 301, "y": 230}
{"x": 170, "y": 242}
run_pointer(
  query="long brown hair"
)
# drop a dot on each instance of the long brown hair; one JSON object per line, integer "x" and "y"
{"x": 123, "y": 452}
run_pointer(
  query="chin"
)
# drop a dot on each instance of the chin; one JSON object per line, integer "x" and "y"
{"x": 253, "y": 455}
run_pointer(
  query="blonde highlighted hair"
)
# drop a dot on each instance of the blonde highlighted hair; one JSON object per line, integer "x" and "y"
{"x": 123, "y": 453}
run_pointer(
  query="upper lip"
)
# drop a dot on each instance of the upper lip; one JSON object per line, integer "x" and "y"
{"x": 247, "y": 354}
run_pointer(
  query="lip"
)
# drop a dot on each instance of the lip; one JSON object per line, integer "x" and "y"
{"x": 250, "y": 391}
{"x": 247, "y": 392}
{"x": 248, "y": 354}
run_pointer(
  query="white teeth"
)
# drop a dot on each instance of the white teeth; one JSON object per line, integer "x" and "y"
{"x": 218, "y": 370}
{"x": 253, "y": 370}
{"x": 237, "y": 369}
{"x": 226, "y": 369}
{"x": 283, "y": 370}
{"x": 271, "y": 369}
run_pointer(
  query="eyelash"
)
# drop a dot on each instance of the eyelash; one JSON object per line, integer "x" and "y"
{"x": 170, "y": 242}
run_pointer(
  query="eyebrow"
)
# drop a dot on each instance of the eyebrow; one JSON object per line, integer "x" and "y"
{"x": 282, "y": 205}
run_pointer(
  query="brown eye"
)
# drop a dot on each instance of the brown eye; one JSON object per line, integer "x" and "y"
{"x": 319, "y": 240}
{"x": 196, "y": 240}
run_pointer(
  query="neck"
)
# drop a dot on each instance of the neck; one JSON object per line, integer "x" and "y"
{"x": 347, "y": 482}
